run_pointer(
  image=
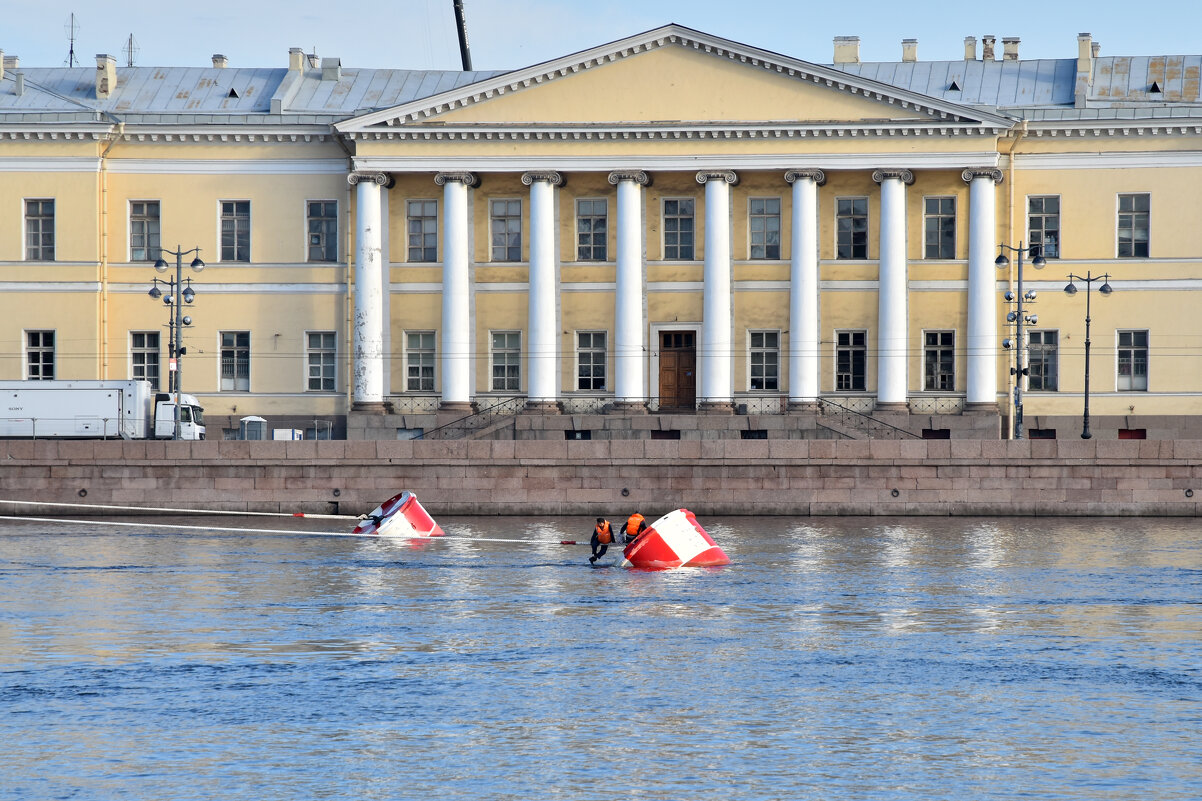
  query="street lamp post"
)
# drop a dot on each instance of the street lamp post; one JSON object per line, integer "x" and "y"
{"x": 1018, "y": 317}
{"x": 177, "y": 295}
{"x": 1070, "y": 290}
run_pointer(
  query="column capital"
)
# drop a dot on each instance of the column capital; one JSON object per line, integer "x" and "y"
{"x": 638, "y": 176}
{"x": 905, "y": 176}
{"x": 730, "y": 176}
{"x": 550, "y": 176}
{"x": 981, "y": 172}
{"x": 468, "y": 179}
{"x": 382, "y": 178}
{"x": 817, "y": 176}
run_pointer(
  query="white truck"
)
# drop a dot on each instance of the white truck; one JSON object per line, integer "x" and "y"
{"x": 95, "y": 410}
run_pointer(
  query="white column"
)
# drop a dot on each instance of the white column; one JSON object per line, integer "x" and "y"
{"x": 716, "y": 353}
{"x": 542, "y": 331}
{"x": 456, "y": 358}
{"x": 804, "y": 332}
{"x": 368, "y": 320}
{"x": 630, "y": 353}
{"x": 893, "y": 333}
{"x": 982, "y": 285}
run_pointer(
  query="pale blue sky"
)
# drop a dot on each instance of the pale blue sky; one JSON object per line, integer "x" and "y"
{"x": 504, "y": 34}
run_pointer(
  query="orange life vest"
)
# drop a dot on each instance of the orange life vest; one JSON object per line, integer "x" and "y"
{"x": 603, "y": 532}
{"x": 633, "y": 523}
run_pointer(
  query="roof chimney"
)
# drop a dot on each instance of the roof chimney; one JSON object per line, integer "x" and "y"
{"x": 1010, "y": 48}
{"x": 296, "y": 59}
{"x": 1084, "y": 70}
{"x": 1084, "y": 51}
{"x": 220, "y": 62}
{"x": 20, "y": 76}
{"x": 1095, "y": 49}
{"x": 909, "y": 49}
{"x": 331, "y": 69}
{"x": 970, "y": 48}
{"x": 987, "y": 45}
{"x": 847, "y": 49}
{"x": 106, "y": 76}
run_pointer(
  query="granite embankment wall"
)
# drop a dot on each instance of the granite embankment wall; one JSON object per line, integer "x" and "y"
{"x": 788, "y": 477}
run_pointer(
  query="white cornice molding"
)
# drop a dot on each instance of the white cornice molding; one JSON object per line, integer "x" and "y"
{"x": 1081, "y": 129}
{"x": 181, "y": 134}
{"x": 50, "y": 164}
{"x": 228, "y": 166}
{"x": 1108, "y": 161}
{"x": 935, "y": 109}
{"x": 674, "y": 163}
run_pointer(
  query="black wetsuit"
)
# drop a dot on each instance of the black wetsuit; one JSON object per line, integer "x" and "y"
{"x": 596, "y": 543}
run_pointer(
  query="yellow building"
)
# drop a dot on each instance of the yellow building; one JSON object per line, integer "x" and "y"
{"x": 691, "y": 235}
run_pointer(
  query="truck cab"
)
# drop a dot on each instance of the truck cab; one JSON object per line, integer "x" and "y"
{"x": 191, "y": 417}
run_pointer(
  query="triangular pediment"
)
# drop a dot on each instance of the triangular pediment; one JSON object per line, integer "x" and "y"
{"x": 674, "y": 77}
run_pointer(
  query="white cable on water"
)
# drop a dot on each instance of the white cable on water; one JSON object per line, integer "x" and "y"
{"x": 277, "y": 531}
{"x": 180, "y": 511}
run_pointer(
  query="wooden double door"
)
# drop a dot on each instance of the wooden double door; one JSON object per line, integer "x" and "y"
{"x": 677, "y": 370}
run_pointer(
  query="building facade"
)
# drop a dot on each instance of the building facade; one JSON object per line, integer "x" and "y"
{"x": 679, "y": 231}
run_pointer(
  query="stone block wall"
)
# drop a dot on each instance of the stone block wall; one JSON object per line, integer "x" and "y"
{"x": 563, "y": 477}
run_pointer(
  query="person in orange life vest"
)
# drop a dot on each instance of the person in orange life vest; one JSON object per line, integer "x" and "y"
{"x": 603, "y": 535}
{"x": 635, "y": 525}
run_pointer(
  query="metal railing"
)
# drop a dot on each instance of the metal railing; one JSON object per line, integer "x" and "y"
{"x": 941, "y": 404}
{"x": 457, "y": 429}
{"x": 415, "y": 404}
{"x": 849, "y": 419}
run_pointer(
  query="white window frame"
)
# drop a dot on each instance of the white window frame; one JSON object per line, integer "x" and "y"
{"x": 134, "y": 351}
{"x": 409, "y": 237}
{"x": 432, "y": 351}
{"x": 851, "y": 348}
{"x": 1059, "y": 225}
{"x": 25, "y": 218}
{"x": 1118, "y": 201}
{"x": 27, "y": 349}
{"x": 752, "y": 350}
{"x": 221, "y": 348}
{"x": 663, "y": 216}
{"x": 321, "y": 351}
{"x": 592, "y": 349}
{"x": 955, "y": 366}
{"x": 751, "y": 215}
{"x": 926, "y": 215}
{"x": 1147, "y": 349}
{"x": 492, "y": 221}
{"x": 309, "y": 233}
{"x": 867, "y": 227}
{"x": 157, "y": 247}
{"x": 1043, "y": 347}
{"x": 605, "y": 217}
{"x": 249, "y": 230}
{"x": 492, "y": 360}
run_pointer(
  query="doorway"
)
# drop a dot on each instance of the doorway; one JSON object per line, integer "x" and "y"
{"x": 677, "y": 370}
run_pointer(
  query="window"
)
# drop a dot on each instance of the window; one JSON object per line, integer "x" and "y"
{"x": 419, "y": 361}
{"x": 506, "y": 226}
{"x": 591, "y": 357}
{"x": 678, "y": 229}
{"x": 764, "y": 222}
{"x": 939, "y": 356}
{"x": 423, "y": 230}
{"x": 1042, "y": 348}
{"x": 1043, "y": 226}
{"x": 323, "y": 230}
{"x": 851, "y": 355}
{"x": 1133, "y": 226}
{"x": 592, "y": 224}
{"x": 851, "y": 228}
{"x": 939, "y": 223}
{"x": 144, "y": 356}
{"x": 144, "y": 230}
{"x": 506, "y": 361}
{"x": 235, "y": 361}
{"x": 765, "y": 360}
{"x": 39, "y": 355}
{"x": 39, "y": 230}
{"x": 321, "y": 352}
{"x": 235, "y": 230}
{"x": 1133, "y": 361}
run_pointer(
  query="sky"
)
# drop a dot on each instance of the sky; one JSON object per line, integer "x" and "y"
{"x": 507, "y": 34}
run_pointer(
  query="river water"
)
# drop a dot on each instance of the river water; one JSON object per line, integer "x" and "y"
{"x": 836, "y": 658}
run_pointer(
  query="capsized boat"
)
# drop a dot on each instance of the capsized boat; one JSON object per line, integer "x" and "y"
{"x": 400, "y": 516}
{"x": 675, "y": 540}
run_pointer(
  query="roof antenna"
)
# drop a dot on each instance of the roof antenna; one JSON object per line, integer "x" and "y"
{"x": 461, "y": 27}
{"x": 130, "y": 50}
{"x": 72, "y": 28}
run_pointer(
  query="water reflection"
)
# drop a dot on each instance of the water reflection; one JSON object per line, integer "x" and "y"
{"x": 850, "y": 658}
